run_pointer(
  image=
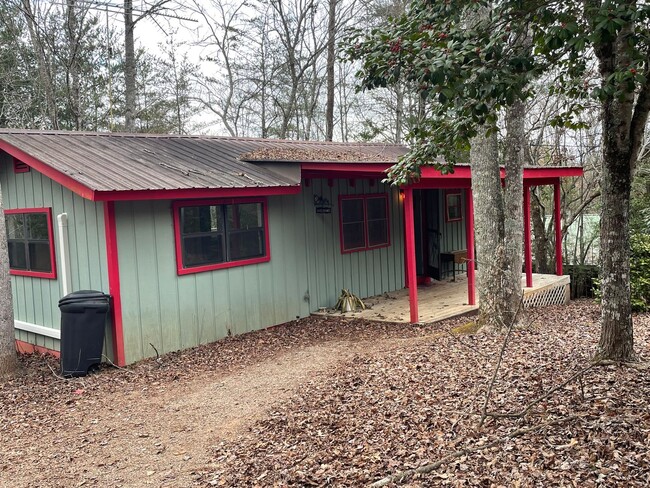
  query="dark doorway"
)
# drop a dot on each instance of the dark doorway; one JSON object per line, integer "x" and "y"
{"x": 427, "y": 233}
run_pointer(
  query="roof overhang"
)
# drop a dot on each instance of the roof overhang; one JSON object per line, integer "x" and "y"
{"x": 432, "y": 177}
{"x": 145, "y": 194}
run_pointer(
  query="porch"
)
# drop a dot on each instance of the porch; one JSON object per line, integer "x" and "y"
{"x": 446, "y": 299}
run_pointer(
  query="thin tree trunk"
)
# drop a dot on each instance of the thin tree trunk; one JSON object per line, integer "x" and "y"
{"x": 541, "y": 242}
{"x": 8, "y": 359}
{"x": 329, "y": 109}
{"x": 129, "y": 67}
{"x": 44, "y": 73}
{"x": 74, "y": 91}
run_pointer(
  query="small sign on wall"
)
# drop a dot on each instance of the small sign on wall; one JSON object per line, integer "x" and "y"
{"x": 322, "y": 204}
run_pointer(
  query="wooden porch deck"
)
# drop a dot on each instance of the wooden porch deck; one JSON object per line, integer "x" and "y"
{"x": 443, "y": 300}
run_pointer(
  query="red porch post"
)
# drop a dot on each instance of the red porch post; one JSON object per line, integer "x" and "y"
{"x": 409, "y": 231}
{"x": 557, "y": 214}
{"x": 469, "y": 232}
{"x": 528, "y": 256}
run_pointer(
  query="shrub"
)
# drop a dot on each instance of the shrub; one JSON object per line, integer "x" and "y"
{"x": 640, "y": 272}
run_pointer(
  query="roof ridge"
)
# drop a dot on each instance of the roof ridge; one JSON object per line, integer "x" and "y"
{"x": 192, "y": 136}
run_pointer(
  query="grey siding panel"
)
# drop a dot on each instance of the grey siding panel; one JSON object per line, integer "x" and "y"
{"x": 35, "y": 300}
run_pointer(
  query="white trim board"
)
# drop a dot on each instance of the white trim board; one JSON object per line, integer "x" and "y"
{"x": 37, "y": 329}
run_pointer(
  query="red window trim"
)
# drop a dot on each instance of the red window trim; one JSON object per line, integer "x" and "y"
{"x": 177, "y": 205}
{"x": 363, "y": 197}
{"x": 50, "y": 231}
{"x": 449, "y": 193}
{"x": 20, "y": 166}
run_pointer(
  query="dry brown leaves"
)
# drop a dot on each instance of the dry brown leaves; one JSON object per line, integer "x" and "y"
{"x": 382, "y": 414}
{"x": 302, "y": 154}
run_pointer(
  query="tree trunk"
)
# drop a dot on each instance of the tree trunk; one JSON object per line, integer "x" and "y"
{"x": 72, "y": 81}
{"x": 44, "y": 68}
{"x": 515, "y": 143}
{"x": 8, "y": 359}
{"x": 129, "y": 68}
{"x": 616, "y": 337}
{"x": 329, "y": 109}
{"x": 489, "y": 226}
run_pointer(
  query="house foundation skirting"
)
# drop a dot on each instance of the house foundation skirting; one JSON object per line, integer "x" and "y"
{"x": 26, "y": 348}
{"x": 558, "y": 293}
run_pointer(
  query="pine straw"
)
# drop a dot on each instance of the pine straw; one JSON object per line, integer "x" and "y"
{"x": 406, "y": 408}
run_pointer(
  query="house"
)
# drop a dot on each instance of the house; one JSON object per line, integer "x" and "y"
{"x": 197, "y": 238}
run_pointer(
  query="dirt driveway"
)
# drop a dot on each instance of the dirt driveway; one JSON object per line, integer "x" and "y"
{"x": 154, "y": 425}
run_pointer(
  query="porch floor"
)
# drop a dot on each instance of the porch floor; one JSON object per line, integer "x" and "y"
{"x": 439, "y": 301}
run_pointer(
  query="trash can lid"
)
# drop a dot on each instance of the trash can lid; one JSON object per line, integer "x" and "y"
{"x": 82, "y": 296}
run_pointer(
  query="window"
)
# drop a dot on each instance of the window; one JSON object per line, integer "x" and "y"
{"x": 30, "y": 241}
{"x": 220, "y": 234}
{"x": 453, "y": 210}
{"x": 364, "y": 222}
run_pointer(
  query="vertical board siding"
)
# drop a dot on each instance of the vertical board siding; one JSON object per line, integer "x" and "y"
{"x": 307, "y": 270}
{"x": 453, "y": 236}
{"x": 35, "y": 300}
{"x": 175, "y": 312}
{"x": 364, "y": 273}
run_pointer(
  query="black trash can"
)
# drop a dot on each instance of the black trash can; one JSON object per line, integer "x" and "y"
{"x": 83, "y": 321}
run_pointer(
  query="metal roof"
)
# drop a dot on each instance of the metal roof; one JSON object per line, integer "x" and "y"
{"x": 135, "y": 162}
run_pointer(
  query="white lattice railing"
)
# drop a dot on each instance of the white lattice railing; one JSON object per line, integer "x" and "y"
{"x": 557, "y": 293}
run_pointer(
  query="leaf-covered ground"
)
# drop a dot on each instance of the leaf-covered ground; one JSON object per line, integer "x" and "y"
{"x": 325, "y": 401}
{"x": 383, "y": 413}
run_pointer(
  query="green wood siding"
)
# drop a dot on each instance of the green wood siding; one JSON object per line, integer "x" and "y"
{"x": 306, "y": 271}
{"x": 36, "y": 299}
{"x": 174, "y": 312}
{"x": 364, "y": 273}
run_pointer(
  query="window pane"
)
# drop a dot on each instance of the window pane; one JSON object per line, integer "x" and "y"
{"x": 245, "y": 216}
{"x": 453, "y": 207}
{"x": 206, "y": 218}
{"x": 246, "y": 244}
{"x": 39, "y": 256}
{"x": 15, "y": 226}
{"x": 353, "y": 237}
{"x": 17, "y": 255}
{"x": 352, "y": 210}
{"x": 37, "y": 226}
{"x": 377, "y": 232}
{"x": 200, "y": 250}
{"x": 376, "y": 208}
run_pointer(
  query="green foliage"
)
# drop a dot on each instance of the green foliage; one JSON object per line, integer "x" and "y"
{"x": 640, "y": 272}
{"x": 640, "y": 199}
{"x": 469, "y": 59}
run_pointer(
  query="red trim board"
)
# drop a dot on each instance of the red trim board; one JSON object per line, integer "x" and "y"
{"x": 409, "y": 227}
{"x": 189, "y": 193}
{"x": 528, "y": 253}
{"x": 50, "y": 231}
{"x": 557, "y": 214}
{"x": 48, "y": 171}
{"x": 469, "y": 232}
{"x": 114, "y": 282}
{"x": 23, "y": 347}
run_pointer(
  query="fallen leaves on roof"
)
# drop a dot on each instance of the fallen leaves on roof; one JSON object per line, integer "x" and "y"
{"x": 302, "y": 154}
